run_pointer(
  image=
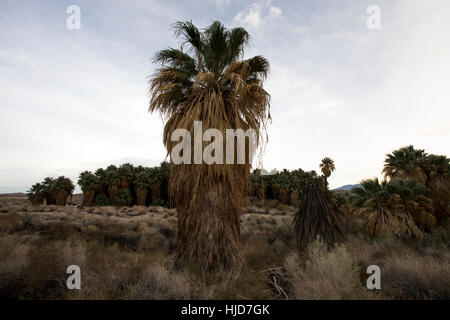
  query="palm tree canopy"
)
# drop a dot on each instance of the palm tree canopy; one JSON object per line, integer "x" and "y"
{"x": 384, "y": 209}
{"x": 406, "y": 162}
{"x": 88, "y": 181}
{"x": 327, "y": 166}
{"x": 64, "y": 184}
{"x": 438, "y": 170}
{"x": 208, "y": 82}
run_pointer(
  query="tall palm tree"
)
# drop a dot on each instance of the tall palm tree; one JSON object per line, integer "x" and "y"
{"x": 406, "y": 162}
{"x": 327, "y": 167}
{"x": 209, "y": 82}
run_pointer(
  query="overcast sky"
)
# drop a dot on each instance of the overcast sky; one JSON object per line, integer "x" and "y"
{"x": 74, "y": 100}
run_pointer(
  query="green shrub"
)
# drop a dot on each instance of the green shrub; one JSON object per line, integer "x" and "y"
{"x": 123, "y": 197}
{"x": 101, "y": 200}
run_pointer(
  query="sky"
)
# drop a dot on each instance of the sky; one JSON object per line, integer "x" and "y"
{"x": 77, "y": 99}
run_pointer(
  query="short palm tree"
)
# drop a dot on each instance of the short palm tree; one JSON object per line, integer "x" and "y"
{"x": 164, "y": 170}
{"x": 327, "y": 167}
{"x": 49, "y": 190}
{"x": 414, "y": 197}
{"x": 113, "y": 180}
{"x": 89, "y": 184}
{"x": 316, "y": 217}
{"x": 438, "y": 172}
{"x": 406, "y": 162}
{"x": 209, "y": 82}
{"x": 63, "y": 187}
{"x": 126, "y": 173}
{"x": 141, "y": 184}
{"x": 282, "y": 185}
{"x": 156, "y": 177}
{"x": 36, "y": 194}
{"x": 100, "y": 173}
{"x": 383, "y": 210}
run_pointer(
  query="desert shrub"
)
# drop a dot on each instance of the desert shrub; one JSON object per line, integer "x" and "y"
{"x": 414, "y": 276}
{"x": 159, "y": 282}
{"x": 101, "y": 200}
{"x": 324, "y": 275}
{"x": 438, "y": 237}
{"x": 10, "y": 222}
{"x": 284, "y": 233}
{"x": 123, "y": 197}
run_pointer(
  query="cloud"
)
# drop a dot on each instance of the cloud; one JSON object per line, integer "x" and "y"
{"x": 274, "y": 12}
{"x": 257, "y": 14}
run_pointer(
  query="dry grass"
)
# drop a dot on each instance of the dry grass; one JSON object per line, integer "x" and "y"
{"x": 127, "y": 253}
{"x": 325, "y": 275}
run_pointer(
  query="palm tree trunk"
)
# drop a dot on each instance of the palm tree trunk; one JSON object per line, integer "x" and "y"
{"x": 61, "y": 198}
{"x": 35, "y": 201}
{"x": 208, "y": 218}
{"x": 141, "y": 195}
{"x": 112, "y": 192}
{"x": 88, "y": 198}
{"x": 155, "y": 191}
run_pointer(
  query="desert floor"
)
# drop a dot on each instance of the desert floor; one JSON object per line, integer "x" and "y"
{"x": 127, "y": 253}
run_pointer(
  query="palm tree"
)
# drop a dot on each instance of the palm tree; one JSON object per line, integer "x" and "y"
{"x": 282, "y": 186}
{"x": 36, "y": 194}
{"x": 210, "y": 83}
{"x": 316, "y": 217}
{"x": 438, "y": 172}
{"x": 141, "y": 184}
{"x": 89, "y": 184}
{"x": 49, "y": 190}
{"x": 113, "y": 182}
{"x": 126, "y": 173}
{"x": 155, "y": 176}
{"x": 63, "y": 187}
{"x": 383, "y": 210}
{"x": 327, "y": 166}
{"x": 414, "y": 197}
{"x": 406, "y": 162}
{"x": 100, "y": 173}
{"x": 164, "y": 170}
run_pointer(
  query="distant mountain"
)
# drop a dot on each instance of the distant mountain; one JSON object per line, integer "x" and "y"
{"x": 12, "y": 195}
{"x": 348, "y": 187}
